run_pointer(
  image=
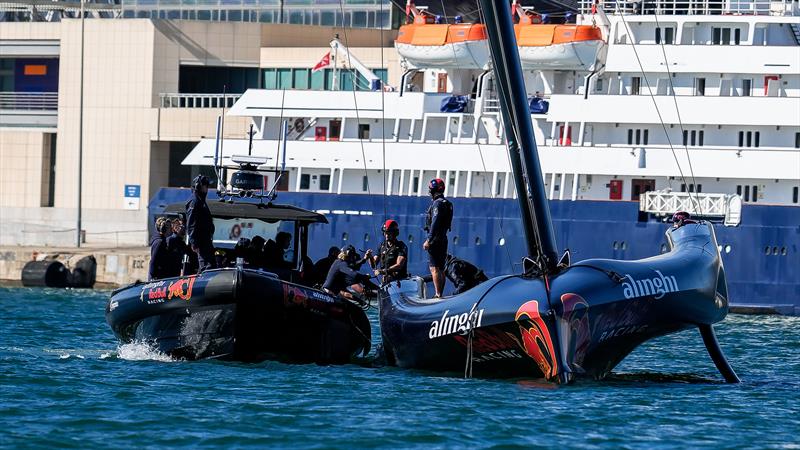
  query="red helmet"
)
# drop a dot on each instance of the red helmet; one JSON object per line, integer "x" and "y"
{"x": 436, "y": 185}
{"x": 391, "y": 227}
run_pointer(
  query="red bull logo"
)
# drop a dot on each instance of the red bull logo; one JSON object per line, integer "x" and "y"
{"x": 536, "y": 338}
{"x": 181, "y": 289}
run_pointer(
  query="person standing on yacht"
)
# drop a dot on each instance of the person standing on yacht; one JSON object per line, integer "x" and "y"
{"x": 200, "y": 224}
{"x": 437, "y": 223}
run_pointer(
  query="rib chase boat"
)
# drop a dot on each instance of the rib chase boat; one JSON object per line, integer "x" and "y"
{"x": 238, "y": 312}
{"x": 556, "y": 320}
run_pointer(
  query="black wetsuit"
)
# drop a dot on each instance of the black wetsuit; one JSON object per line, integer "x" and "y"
{"x": 200, "y": 228}
{"x": 463, "y": 274}
{"x": 388, "y": 254}
{"x": 439, "y": 217}
{"x": 159, "y": 258}
{"x": 176, "y": 245}
{"x": 343, "y": 275}
{"x": 322, "y": 267}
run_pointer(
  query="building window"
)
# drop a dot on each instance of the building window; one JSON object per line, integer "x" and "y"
{"x": 699, "y": 86}
{"x": 365, "y": 183}
{"x": 305, "y": 181}
{"x": 324, "y": 182}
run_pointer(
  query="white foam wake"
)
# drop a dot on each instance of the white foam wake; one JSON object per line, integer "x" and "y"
{"x": 141, "y": 351}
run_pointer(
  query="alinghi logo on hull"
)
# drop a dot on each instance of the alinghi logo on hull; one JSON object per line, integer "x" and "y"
{"x": 657, "y": 287}
{"x": 458, "y": 323}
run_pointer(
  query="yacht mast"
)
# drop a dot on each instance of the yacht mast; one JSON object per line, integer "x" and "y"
{"x": 537, "y": 224}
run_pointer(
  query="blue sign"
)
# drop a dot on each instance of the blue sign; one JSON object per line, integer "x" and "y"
{"x": 133, "y": 190}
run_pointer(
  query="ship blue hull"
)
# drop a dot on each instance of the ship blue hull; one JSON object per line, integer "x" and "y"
{"x": 761, "y": 255}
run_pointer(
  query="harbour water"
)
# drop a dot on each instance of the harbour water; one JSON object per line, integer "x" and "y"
{"x": 65, "y": 382}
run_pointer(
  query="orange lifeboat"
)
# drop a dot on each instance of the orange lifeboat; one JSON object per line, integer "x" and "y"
{"x": 569, "y": 47}
{"x": 433, "y": 45}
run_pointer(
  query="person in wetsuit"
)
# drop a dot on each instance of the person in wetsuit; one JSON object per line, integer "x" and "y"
{"x": 274, "y": 251}
{"x": 200, "y": 224}
{"x": 392, "y": 259}
{"x": 344, "y": 274}
{"x": 463, "y": 274}
{"x": 437, "y": 223}
{"x": 159, "y": 255}
{"x": 176, "y": 245}
{"x": 323, "y": 265}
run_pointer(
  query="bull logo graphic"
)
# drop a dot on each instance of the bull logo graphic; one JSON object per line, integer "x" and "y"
{"x": 536, "y": 338}
{"x": 181, "y": 289}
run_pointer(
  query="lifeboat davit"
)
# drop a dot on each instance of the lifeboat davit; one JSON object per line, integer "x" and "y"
{"x": 431, "y": 45}
{"x": 570, "y": 47}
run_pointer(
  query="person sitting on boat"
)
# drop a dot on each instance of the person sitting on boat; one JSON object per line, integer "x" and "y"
{"x": 438, "y": 220}
{"x": 322, "y": 266}
{"x": 200, "y": 224}
{"x": 392, "y": 259}
{"x": 159, "y": 255}
{"x": 463, "y": 274}
{"x": 176, "y": 245}
{"x": 344, "y": 279}
{"x": 274, "y": 251}
{"x": 255, "y": 256}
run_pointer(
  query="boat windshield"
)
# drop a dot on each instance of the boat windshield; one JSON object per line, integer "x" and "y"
{"x": 227, "y": 232}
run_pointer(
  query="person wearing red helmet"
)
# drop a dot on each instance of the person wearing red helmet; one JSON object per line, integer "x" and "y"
{"x": 392, "y": 259}
{"x": 439, "y": 217}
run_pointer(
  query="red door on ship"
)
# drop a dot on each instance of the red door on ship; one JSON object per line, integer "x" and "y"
{"x": 565, "y": 139}
{"x": 615, "y": 190}
{"x": 321, "y": 133}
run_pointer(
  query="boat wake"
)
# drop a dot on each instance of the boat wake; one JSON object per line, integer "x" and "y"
{"x": 138, "y": 351}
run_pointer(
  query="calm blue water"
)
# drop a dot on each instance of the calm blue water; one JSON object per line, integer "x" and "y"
{"x": 65, "y": 382}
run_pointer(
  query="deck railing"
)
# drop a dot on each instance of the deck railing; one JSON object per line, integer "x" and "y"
{"x": 697, "y": 7}
{"x": 198, "y": 100}
{"x": 29, "y": 101}
{"x": 724, "y": 206}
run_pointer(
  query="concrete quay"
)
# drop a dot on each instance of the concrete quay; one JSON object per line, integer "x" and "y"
{"x": 116, "y": 266}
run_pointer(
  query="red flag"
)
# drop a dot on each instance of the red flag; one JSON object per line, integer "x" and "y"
{"x": 323, "y": 63}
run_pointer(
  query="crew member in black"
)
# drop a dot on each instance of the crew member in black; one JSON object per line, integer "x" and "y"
{"x": 176, "y": 245}
{"x": 463, "y": 274}
{"x": 322, "y": 266}
{"x": 344, "y": 274}
{"x": 392, "y": 259}
{"x": 438, "y": 220}
{"x": 274, "y": 251}
{"x": 200, "y": 224}
{"x": 159, "y": 255}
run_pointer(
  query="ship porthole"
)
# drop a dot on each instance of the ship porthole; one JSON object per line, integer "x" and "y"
{"x": 344, "y": 236}
{"x": 615, "y": 246}
{"x": 775, "y": 251}
{"x": 727, "y": 249}
{"x": 410, "y": 239}
{"x": 477, "y": 240}
{"x": 501, "y": 242}
{"x": 783, "y": 251}
{"x": 366, "y": 237}
{"x": 767, "y": 250}
{"x": 455, "y": 240}
{"x": 624, "y": 245}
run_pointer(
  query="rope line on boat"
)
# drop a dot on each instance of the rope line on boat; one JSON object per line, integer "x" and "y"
{"x": 655, "y": 103}
{"x": 678, "y": 112}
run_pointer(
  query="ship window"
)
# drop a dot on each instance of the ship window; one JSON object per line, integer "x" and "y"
{"x": 726, "y": 36}
{"x": 658, "y": 35}
{"x": 599, "y": 85}
{"x": 669, "y": 35}
{"x": 364, "y": 183}
{"x": 716, "y": 36}
{"x": 757, "y": 141}
{"x": 645, "y": 137}
{"x": 749, "y": 139}
{"x": 747, "y": 87}
{"x": 305, "y": 181}
{"x": 685, "y": 137}
{"x": 363, "y": 131}
{"x": 797, "y": 140}
{"x": 324, "y": 182}
{"x": 795, "y": 194}
{"x": 699, "y": 188}
{"x": 741, "y": 139}
{"x": 683, "y": 187}
{"x": 739, "y": 190}
{"x": 416, "y": 184}
{"x": 700, "y": 138}
{"x": 737, "y": 36}
{"x": 747, "y": 193}
{"x": 638, "y": 137}
{"x": 699, "y": 86}
{"x": 630, "y": 137}
{"x": 636, "y": 83}
{"x": 755, "y": 194}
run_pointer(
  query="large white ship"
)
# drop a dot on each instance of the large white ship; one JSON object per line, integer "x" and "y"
{"x": 640, "y": 109}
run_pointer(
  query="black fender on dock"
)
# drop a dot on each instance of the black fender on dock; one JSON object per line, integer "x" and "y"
{"x": 47, "y": 273}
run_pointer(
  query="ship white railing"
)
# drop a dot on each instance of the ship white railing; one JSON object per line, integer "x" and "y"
{"x": 198, "y": 100}
{"x": 697, "y": 7}
{"x": 720, "y": 206}
{"x": 29, "y": 101}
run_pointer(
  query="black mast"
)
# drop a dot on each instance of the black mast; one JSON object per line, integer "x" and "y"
{"x": 536, "y": 221}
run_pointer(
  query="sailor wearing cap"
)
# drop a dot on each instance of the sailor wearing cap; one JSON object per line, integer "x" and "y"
{"x": 392, "y": 258}
{"x": 200, "y": 224}
{"x": 438, "y": 220}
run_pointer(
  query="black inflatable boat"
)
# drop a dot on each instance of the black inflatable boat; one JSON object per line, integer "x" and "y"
{"x": 243, "y": 313}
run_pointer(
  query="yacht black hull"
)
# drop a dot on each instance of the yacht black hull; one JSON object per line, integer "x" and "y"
{"x": 239, "y": 314}
{"x": 596, "y": 313}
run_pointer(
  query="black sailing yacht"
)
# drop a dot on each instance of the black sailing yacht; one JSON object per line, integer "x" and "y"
{"x": 556, "y": 320}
